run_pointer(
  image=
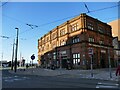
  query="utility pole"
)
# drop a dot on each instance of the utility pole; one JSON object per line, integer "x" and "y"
{"x": 12, "y": 55}
{"x": 16, "y": 50}
{"x": 109, "y": 62}
{"x": 1, "y": 59}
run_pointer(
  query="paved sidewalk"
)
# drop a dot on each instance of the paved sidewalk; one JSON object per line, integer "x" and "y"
{"x": 102, "y": 74}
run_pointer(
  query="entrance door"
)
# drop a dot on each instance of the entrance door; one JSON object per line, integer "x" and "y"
{"x": 64, "y": 61}
{"x": 103, "y": 60}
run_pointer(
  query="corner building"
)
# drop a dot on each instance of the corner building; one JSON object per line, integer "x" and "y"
{"x": 78, "y": 42}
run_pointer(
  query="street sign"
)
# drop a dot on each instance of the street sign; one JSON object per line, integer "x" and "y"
{"x": 33, "y": 57}
{"x": 90, "y": 51}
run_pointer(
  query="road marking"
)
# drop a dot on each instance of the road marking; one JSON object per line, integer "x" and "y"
{"x": 17, "y": 79}
{"x": 8, "y": 80}
{"x": 113, "y": 84}
{"x": 14, "y": 78}
{"x": 106, "y": 85}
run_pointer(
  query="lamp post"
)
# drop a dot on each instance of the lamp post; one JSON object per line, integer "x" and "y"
{"x": 12, "y": 55}
{"x": 16, "y": 50}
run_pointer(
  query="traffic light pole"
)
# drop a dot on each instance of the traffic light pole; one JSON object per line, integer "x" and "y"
{"x": 16, "y": 50}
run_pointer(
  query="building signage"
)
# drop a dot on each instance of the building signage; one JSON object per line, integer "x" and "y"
{"x": 103, "y": 51}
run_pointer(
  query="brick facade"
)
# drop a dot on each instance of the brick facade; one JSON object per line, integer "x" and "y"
{"x": 72, "y": 41}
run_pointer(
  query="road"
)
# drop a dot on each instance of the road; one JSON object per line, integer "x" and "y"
{"x": 30, "y": 81}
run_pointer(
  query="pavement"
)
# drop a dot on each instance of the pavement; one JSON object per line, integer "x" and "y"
{"x": 102, "y": 74}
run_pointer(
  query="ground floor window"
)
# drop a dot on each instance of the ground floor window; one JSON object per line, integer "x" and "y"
{"x": 76, "y": 58}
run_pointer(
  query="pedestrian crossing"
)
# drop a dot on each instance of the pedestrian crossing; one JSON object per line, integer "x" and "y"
{"x": 106, "y": 85}
{"x": 14, "y": 78}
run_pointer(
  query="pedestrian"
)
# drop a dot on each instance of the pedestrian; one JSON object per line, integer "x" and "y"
{"x": 118, "y": 73}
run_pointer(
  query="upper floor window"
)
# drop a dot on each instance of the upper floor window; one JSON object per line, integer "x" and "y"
{"x": 109, "y": 32}
{"x": 47, "y": 47}
{"x": 74, "y": 27}
{"x": 90, "y": 25}
{"x": 53, "y": 45}
{"x": 91, "y": 39}
{"x": 62, "y": 42}
{"x": 47, "y": 39}
{"x": 54, "y": 35}
{"x": 100, "y": 29}
{"x": 40, "y": 43}
{"x": 101, "y": 42}
{"x": 62, "y": 32}
{"x": 43, "y": 41}
{"x": 42, "y": 48}
{"x": 75, "y": 39}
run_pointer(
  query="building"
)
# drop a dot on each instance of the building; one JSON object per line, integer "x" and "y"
{"x": 77, "y": 43}
{"x": 116, "y": 45}
{"x": 115, "y": 28}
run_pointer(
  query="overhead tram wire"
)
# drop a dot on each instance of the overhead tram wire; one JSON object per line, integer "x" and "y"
{"x": 75, "y": 15}
{"x": 88, "y": 11}
{"x": 86, "y": 7}
{"x": 22, "y": 22}
{"x": 3, "y": 4}
{"x": 104, "y": 8}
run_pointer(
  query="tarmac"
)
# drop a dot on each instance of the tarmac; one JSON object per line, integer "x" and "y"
{"x": 102, "y": 74}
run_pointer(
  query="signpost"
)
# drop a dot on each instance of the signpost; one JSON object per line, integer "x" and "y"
{"x": 90, "y": 52}
{"x": 32, "y": 57}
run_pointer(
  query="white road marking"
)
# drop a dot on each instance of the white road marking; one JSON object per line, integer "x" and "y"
{"x": 8, "y": 80}
{"x": 14, "y": 78}
{"x": 106, "y": 85}
{"x": 113, "y": 84}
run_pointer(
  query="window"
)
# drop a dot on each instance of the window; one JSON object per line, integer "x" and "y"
{"x": 54, "y": 44}
{"x": 75, "y": 39}
{"x": 101, "y": 42}
{"x": 54, "y": 35}
{"x": 47, "y": 39}
{"x": 40, "y": 43}
{"x": 39, "y": 50}
{"x": 109, "y": 32}
{"x": 100, "y": 29}
{"x": 90, "y": 26}
{"x": 54, "y": 55}
{"x": 91, "y": 39}
{"x": 62, "y": 32}
{"x": 42, "y": 49}
{"x": 76, "y": 59}
{"x": 47, "y": 47}
{"x": 74, "y": 27}
{"x": 62, "y": 42}
{"x": 43, "y": 41}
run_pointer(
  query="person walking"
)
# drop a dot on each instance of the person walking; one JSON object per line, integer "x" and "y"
{"x": 118, "y": 74}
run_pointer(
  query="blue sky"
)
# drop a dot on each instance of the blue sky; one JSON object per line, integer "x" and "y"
{"x": 18, "y": 14}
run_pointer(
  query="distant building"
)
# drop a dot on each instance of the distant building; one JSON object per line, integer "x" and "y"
{"x": 5, "y": 61}
{"x": 115, "y": 28}
{"x": 75, "y": 42}
{"x": 116, "y": 45}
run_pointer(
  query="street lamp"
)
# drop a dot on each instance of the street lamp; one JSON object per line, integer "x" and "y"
{"x": 16, "y": 50}
{"x": 12, "y": 55}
